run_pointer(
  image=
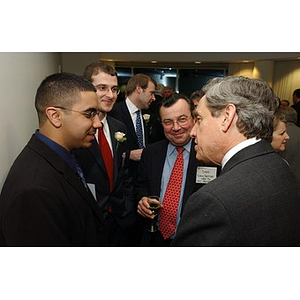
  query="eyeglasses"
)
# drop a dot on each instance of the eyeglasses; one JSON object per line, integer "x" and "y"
{"x": 105, "y": 89}
{"x": 182, "y": 121}
{"x": 89, "y": 114}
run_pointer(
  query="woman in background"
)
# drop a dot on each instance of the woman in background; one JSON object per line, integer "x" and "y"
{"x": 280, "y": 136}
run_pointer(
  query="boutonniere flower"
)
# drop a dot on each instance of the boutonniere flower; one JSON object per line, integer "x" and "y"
{"x": 120, "y": 137}
{"x": 146, "y": 117}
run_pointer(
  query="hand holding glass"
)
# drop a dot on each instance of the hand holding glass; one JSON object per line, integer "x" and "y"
{"x": 154, "y": 207}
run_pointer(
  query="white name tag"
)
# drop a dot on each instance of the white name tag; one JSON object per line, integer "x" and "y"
{"x": 92, "y": 188}
{"x": 206, "y": 174}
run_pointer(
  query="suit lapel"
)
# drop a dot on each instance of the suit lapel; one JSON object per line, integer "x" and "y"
{"x": 96, "y": 153}
{"x": 260, "y": 148}
{"x": 128, "y": 122}
{"x": 70, "y": 176}
{"x": 159, "y": 160}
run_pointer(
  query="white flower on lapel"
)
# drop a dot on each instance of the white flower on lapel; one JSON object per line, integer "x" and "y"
{"x": 120, "y": 138}
{"x": 146, "y": 117}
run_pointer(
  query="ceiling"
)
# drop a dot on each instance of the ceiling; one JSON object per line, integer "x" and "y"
{"x": 191, "y": 59}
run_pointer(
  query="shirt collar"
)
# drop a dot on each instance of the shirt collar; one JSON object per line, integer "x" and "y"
{"x": 61, "y": 151}
{"x": 132, "y": 108}
{"x": 238, "y": 148}
{"x": 171, "y": 147}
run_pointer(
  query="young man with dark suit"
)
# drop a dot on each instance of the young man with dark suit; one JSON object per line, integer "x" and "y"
{"x": 45, "y": 200}
{"x": 256, "y": 199}
{"x": 158, "y": 161}
{"x": 140, "y": 91}
{"x": 111, "y": 184}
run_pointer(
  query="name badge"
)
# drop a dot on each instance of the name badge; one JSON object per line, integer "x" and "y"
{"x": 206, "y": 174}
{"x": 92, "y": 188}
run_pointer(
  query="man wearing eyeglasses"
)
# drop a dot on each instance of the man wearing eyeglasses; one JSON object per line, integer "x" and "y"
{"x": 158, "y": 161}
{"x": 109, "y": 181}
{"x": 45, "y": 200}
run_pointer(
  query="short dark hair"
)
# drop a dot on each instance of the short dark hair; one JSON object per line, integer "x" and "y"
{"x": 297, "y": 93}
{"x": 96, "y": 67}
{"x": 60, "y": 89}
{"x": 172, "y": 99}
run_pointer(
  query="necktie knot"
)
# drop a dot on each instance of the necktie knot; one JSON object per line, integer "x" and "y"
{"x": 180, "y": 149}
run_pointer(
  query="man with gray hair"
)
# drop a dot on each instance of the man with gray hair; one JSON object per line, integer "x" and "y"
{"x": 256, "y": 199}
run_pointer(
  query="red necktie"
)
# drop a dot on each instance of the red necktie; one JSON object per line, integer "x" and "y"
{"x": 107, "y": 156}
{"x": 168, "y": 215}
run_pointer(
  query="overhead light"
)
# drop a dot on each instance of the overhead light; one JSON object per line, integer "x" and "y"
{"x": 197, "y": 62}
{"x": 154, "y": 61}
{"x": 245, "y": 61}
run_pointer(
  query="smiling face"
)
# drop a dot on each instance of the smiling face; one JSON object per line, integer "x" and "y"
{"x": 279, "y": 137}
{"x": 77, "y": 130}
{"x": 177, "y": 122}
{"x": 107, "y": 87}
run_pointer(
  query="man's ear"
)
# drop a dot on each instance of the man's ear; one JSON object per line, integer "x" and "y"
{"x": 228, "y": 116}
{"x": 138, "y": 89}
{"x": 54, "y": 116}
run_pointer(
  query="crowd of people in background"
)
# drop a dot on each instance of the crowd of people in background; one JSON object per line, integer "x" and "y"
{"x": 223, "y": 164}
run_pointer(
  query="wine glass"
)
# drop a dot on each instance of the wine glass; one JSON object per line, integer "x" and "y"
{"x": 154, "y": 207}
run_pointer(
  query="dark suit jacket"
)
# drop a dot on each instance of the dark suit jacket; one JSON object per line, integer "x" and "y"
{"x": 292, "y": 148}
{"x": 121, "y": 113}
{"x": 43, "y": 203}
{"x": 151, "y": 169}
{"x": 254, "y": 202}
{"x": 297, "y": 109}
{"x": 92, "y": 163}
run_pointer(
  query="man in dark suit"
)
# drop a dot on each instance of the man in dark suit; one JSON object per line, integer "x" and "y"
{"x": 292, "y": 148}
{"x": 115, "y": 198}
{"x": 140, "y": 92}
{"x": 296, "y": 105}
{"x": 157, "y": 163}
{"x": 45, "y": 200}
{"x": 256, "y": 199}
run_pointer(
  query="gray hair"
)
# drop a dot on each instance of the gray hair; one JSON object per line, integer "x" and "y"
{"x": 254, "y": 100}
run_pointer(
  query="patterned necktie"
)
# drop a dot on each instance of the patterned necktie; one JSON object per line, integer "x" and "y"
{"x": 107, "y": 156}
{"x": 168, "y": 215}
{"x": 139, "y": 131}
{"x": 80, "y": 175}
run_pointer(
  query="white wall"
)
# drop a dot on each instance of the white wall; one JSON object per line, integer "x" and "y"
{"x": 20, "y": 76}
{"x": 75, "y": 62}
